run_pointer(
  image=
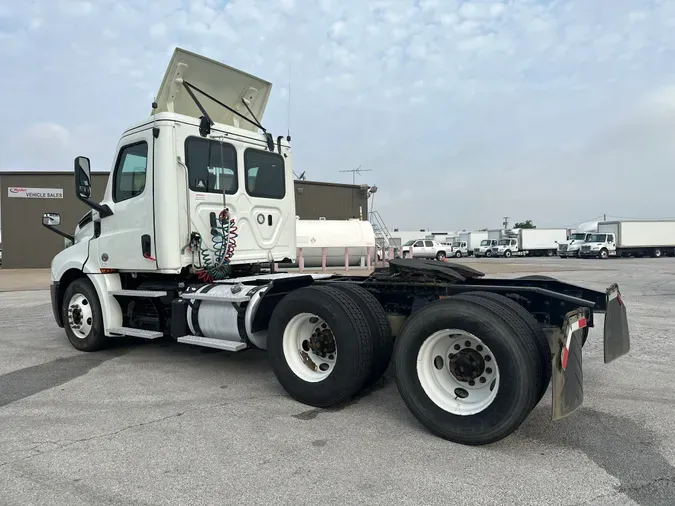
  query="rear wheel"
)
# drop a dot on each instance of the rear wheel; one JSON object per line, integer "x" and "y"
{"x": 82, "y": 316}
{"x": 378, "y": 324}
{"x": 440, "y": 256}
{"x": 533, "y": 327}
{"x": 320, "y": 346}
{"x": 464, "y": 373}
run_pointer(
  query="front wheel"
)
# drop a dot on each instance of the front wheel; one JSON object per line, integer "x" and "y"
{"x": 507, "y": 254}
{"x": 464, "y": 373}
{"x": 458, "y": 254}
{"x": 604, "y": 254}
{"x": 488, "y": 254}
{"x": 82, "y": 316}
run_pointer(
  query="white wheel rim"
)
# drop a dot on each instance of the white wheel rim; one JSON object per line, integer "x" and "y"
{"x": 457, "y": 396}
{"x": 310, "y": 355}
{"x": 80, "y": 316}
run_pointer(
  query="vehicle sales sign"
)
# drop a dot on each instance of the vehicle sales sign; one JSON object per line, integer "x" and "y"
{"x": 35, "y": 193}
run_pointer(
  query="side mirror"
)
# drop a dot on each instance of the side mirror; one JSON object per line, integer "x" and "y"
{"x": 83, "y": 177}
{"x": 51, "y": 219}
{"x": 83, "y": 186}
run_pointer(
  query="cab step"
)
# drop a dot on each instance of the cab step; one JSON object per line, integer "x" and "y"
{"x": 209, "y": 342}
{"x": 220, "y": 298}
{"x": 132, "y": 332}
{"x": 139, "y": 293}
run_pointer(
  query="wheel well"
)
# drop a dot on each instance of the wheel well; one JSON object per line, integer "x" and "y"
{"x": 68, "y": 277}
{"x": 441, "y": 251}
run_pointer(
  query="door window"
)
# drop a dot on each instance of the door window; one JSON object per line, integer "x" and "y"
{"x": 130, "y": 171}
{"x": 265, "y": 174}
{"x": 419, "y": 244}
{"x": 212, "y": 166}
{"x": 429, "y": 244}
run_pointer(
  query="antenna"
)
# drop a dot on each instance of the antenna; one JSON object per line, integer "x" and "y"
{"x": 356, "y": 171}
{"x": 288, "y": 135}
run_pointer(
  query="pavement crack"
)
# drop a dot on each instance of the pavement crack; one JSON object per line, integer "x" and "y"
{"x": 60, "y": 444}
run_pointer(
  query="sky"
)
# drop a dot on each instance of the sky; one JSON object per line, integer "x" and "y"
{"x": 462, "y": 112}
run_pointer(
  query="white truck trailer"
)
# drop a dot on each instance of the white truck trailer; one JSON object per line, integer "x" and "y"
{"x": 530, "y": 242}
{"x": 624, "y": 238}
{"x": 466, "y": 243}
{"x": 199, "y": 207}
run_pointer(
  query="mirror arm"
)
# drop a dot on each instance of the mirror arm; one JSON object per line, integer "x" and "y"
{"x": 58, "y": 232}
{"x": 103, "y": 210}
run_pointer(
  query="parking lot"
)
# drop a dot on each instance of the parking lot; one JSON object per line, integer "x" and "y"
{"x": 163, "y": 423}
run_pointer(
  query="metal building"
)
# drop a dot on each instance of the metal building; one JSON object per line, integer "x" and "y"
{"x": 26, "y": 195}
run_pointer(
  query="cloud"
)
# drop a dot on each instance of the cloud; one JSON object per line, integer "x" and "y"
{"x": 465, "y": 111}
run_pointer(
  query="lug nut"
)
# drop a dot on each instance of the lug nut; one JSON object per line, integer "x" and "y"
{"x": 488, "y": 370}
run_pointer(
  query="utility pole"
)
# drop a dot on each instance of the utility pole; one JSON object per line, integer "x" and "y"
{"x": 356, "y": 171}
{"x": 604, "y": 217}
{"x": 506, "y": 222}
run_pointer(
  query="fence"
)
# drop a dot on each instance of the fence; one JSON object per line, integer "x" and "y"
{"x": 386, "y": 255}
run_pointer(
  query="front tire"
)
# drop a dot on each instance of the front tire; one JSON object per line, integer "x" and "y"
{"x": 429, "y": 368}
{"x": 507, "y": 254}
{"x": 319, "y": 346}
{"x": 82, "y": 316}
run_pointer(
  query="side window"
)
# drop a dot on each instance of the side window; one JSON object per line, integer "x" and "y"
{"x": 610, "y": 238}
{"x": 265, "y": 174}
{"x": 419, "y": 244}
{"x": 429, "y": 244}
{"x": 212, "y": 166}
{"x": 130, "y": 171}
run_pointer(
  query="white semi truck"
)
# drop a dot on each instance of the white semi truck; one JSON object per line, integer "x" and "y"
{"x": 466, "y": 243}
{"x": 199, "y": 207}
{"x": 530, "y": 242}
{"x": 581, "y": 235}
{"x": 484, "y": 248}
{"x": 624, "y": 238}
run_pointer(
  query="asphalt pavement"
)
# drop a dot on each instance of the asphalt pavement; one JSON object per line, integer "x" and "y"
{"x": 157, "y": 423}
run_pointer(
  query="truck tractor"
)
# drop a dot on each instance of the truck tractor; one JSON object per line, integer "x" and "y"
{"x": 198, "y": 212}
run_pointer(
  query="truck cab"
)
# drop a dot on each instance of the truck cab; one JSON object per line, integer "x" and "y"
{"x": 459, "y": 249}
{"x": 599, "y": 245}
{"x": 572, "y": 246}
{"x": 485, "y": 248}
{"x": 506, "y": 247}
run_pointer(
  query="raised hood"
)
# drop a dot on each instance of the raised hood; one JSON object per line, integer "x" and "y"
{"x": 226, "y": 84}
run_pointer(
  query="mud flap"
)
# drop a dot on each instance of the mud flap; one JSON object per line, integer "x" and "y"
{"x": 567, "y": 378}
{"x": 616, "y": 336}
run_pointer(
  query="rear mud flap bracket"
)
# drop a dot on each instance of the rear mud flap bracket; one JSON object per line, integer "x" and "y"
{"x": 567, "y": 380}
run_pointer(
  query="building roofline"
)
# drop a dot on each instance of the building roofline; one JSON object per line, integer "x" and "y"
{"x": 23, "y": 172}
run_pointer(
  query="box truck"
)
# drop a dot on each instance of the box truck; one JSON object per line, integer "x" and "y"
{"x": 577, "y": 238}
{"x": 655, "y": 238}
{"x": 530, "y": 242}
{"x": 467, "y": 242}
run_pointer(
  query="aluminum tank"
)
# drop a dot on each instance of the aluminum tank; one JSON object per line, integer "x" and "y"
{"x": 335, "y": 235}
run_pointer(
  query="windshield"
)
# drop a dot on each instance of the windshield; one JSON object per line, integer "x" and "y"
{"x": 504, "y": 242}
{"x": 485, "y": 242}
{"x": 409, "y": 243}
{"x": 597, "y": 238}
{"x": 578, "y": 237}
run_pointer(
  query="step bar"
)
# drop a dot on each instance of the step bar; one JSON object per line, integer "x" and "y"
{"x": 132, "y": 332}
{"x": 209, "y": 342}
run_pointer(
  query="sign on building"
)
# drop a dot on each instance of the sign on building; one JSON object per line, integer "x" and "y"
{"x": 34, "y": 193}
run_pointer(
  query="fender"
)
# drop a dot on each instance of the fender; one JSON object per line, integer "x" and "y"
{"x": 104, "y": 284}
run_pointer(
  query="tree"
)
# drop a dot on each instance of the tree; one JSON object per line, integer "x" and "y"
{"x": 525, "y": 224}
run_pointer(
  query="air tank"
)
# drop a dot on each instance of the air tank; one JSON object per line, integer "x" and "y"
{"x": 335, "y": 235}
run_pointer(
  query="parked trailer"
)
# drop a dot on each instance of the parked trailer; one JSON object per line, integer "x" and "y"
{"x": 654, "y": 238}
{"x": 473, "y": 356}
{"x": 530, "y": 242}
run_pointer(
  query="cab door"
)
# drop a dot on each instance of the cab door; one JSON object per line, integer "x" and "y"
{"x": 126, "y": 238}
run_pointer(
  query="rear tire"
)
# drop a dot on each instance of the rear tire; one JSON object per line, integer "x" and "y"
{"x": 82, "y": 316}
{"x": 536, "y": 333}
{"x": 378, "y": 323}
{"x": 444, "y": 411}
{"x": 440, "y": 256}
{"x": 306, "y": 314}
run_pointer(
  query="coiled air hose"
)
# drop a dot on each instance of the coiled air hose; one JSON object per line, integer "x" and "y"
{"x": 224, "y": 239}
